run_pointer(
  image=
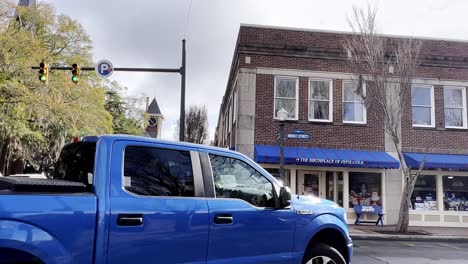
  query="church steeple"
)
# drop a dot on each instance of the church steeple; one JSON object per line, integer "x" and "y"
{"x": 155, "y": 119}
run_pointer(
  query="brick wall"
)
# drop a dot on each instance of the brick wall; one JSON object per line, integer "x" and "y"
{"x": 334, "y": 40}
{"x": 324, "y": 135}
{"x": 433, "y": 140}
{"x": 322, "y": 51}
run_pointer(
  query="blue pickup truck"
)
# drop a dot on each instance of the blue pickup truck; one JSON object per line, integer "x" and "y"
{"x": 125, "y": 199}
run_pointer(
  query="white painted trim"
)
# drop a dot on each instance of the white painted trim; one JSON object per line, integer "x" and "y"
{"x": 343, "y": 75}
{"x": 439, "y": 193}
{"x": 330, "y": 101}
{"x": 431, "y": 87}
{"x": 364, "y": 109}
{"x": 442, "y": 222}
{"x": 464, "y": 113}
{"x": 297, "y": 95}
{"x": 383, "y": 196}
{"x": 304, "y": 73}
{"x": 293, "y": 180}
{"x": 346, "y": 189}
{"x": 438, "y": 82}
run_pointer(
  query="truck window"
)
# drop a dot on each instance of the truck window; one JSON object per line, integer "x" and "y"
{"x": 236, "y": 179}
{"x": 158, "y": 172}
{"x": 75, "y": 162}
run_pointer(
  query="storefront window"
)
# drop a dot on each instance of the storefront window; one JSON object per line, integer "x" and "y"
{"x": 275, "y": 172}
{"x": 364, "y": 189}
{"x": 455, "y": 193}
{"x": 424, "y": 194}
{"x": 331, "y": 187}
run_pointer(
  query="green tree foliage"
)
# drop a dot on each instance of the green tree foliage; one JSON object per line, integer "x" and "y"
{"x": 36, "y": 119}
{"x": 128, "y": 116}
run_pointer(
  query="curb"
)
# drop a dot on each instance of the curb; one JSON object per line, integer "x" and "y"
{"x": 409, "y": 238}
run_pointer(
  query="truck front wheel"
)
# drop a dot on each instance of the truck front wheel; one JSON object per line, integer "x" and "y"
{"x": 323, "y": 254}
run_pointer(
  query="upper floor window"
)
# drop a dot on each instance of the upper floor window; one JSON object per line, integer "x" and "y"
{"x": 455, "y": 107}
{"x": 320, "y": 100}
{"x": 158, "y": 172}
{"x": 422, "y": 100}
{"x": 286, "y": 93}
{"x": 234, "y": 178}
{"x": 354, "y": 110}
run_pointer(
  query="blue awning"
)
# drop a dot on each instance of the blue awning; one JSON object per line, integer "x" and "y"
{"x": 326, "y": 157}
{"x": 437, "y": 161}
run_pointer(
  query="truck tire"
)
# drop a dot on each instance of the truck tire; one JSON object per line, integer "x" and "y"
{"x": 323, "y": 254}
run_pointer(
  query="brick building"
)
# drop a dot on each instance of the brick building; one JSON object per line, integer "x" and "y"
{"x": 349, "y": 158}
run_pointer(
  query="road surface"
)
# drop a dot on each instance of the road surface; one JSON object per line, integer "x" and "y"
{"x": 409, "y": 252}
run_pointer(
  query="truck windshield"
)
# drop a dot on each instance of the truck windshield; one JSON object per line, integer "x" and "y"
{"x": 75, "y": 162}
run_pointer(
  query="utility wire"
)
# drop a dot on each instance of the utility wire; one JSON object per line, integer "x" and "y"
{"x": 188, "y": 18}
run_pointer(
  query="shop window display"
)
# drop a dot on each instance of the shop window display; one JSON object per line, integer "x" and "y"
{"x": 424, "y": 194}
{"x": 364, "y": 189}
{"x": 455, "y": 193}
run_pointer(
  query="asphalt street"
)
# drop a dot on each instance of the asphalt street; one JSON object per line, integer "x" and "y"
{"x": 409, "y": 252}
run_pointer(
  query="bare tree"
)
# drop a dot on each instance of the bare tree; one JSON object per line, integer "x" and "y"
{"x": 385, "y": 67}
{"x": 196, "y": 124}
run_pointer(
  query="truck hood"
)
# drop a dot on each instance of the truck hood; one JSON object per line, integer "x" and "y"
{"x": 314, "y": 206}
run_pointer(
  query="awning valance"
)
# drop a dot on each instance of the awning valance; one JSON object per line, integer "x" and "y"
{"x": 326, "y": 157}
{"x": 437, "y": 161}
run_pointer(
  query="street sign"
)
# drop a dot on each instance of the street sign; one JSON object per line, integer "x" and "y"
{"x": 104, "y": 68}
{"x": 298, "y": 131}
{"x": 300, "y": 136}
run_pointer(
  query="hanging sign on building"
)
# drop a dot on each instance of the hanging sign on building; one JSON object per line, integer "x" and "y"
{"x": 330, "y": 161}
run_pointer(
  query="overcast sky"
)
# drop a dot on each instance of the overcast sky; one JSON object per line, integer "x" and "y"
{"x": 148, "y": 33}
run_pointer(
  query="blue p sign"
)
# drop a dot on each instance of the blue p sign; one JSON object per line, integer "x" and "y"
{"x": 104, "y": 68}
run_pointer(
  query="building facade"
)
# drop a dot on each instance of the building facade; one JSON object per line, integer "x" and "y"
{"x": 336, "y": 147}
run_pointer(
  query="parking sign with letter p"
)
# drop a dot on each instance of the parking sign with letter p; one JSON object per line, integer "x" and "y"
{"x": 104, "y": 68}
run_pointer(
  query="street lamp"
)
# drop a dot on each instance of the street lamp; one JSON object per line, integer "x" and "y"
{"x": 282, "y": 115}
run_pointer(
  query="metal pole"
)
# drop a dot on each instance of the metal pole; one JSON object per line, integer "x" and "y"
{"x": 182, "y": 96}
{"x": 281, "y": 125}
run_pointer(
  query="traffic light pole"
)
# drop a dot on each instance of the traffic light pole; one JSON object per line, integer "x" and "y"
{"x": 180, "y": 70}
{"x": 182, "y": 96}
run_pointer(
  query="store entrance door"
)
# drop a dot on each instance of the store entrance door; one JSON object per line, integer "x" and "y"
{"x": 311, "y": 183}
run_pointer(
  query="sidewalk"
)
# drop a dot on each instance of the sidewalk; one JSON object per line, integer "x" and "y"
{"x": 416, "y": 233}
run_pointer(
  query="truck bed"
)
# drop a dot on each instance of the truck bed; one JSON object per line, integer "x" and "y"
{"x": 56, "y": 228}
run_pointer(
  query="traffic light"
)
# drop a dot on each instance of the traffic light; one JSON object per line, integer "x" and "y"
{"x": 75, "y": 73}
{"x": 43, "y": 72}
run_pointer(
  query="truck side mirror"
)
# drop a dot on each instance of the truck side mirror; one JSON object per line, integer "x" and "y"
{"x": 284, "y": 197}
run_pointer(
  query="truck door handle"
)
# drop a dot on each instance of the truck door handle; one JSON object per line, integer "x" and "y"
{"x": 223, "y": 219}
{"x": 130, "y": 219}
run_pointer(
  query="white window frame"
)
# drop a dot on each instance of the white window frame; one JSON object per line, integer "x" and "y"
{"x": 364, "y": 108}
{"x": 297, "y": 97}
{"x": 330, "y": 101}
{"x": 464, "y": 113}
{"x": 431, "y": 87}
